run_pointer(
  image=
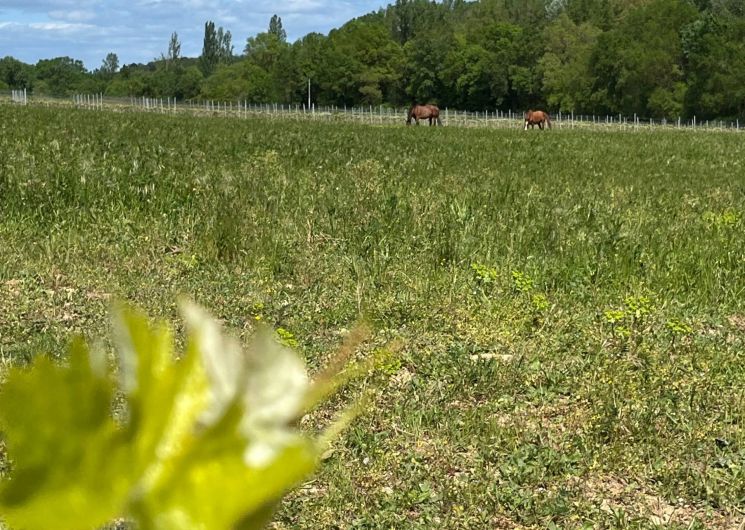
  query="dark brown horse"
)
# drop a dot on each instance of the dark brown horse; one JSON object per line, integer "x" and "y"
{"x": 537, "y": 117}
{"x": 424, "y": 112}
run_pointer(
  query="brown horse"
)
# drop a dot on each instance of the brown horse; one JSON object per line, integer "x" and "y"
{"x": 537, "y": 117}
{"x": 424, "y": 112}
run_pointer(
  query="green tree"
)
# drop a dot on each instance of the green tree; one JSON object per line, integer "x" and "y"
{"x": 409, "y": 18}
{"x": 402, "y": 20}
{"x": 714, "y": 48}
{"x": 655, "y": 58}
{"x": 425, "y": 58}
{"x": 109, "y": 66}
{"x": 119, "y": 87}
{"x": 270, "y": 52}
{"x": 210, "y": 49}
{"x": 270, "y": 55}
{"x": 305, "y": 61}
{"x": 60, "y": 76}
{"x": 130, "y": 81}
{"x": 529, "y": 13}
{"x": 217, "y": 48}
{"x": 238, "y": 82}
{"x": 477, "y": 78}
{"x": 276, "y": 29}
{"x": 189, "y": 83}
{"x": 643, "y": 57}
{"x": 382, "y": 66}
{"x": 173, "y": 55}
{"x": 264, "y": 50}
{"x": 336, "y": 77}
{"x": 16, "y": 74}
{"x": 224, "y": 46}
{"x": 565, "y": 67}
{"x": 361, "y": 63}
{"x": 494, "y": 65}
{"x": 595, "y": 12}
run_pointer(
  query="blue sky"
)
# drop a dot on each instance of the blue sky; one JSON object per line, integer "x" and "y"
{"x": 139, "y": 30}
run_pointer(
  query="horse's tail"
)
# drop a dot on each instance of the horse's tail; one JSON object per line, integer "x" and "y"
{"x": 548, "y": 120}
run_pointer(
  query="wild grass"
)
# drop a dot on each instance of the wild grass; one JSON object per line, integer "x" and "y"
{"x": 570, "y": 303}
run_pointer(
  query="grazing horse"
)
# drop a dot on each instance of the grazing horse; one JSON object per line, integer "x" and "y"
{"x": 537, "y": 117}
{"x": 424, "y": 112}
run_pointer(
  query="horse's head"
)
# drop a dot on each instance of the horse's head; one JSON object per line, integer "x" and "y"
{"x": 410, "y": 115}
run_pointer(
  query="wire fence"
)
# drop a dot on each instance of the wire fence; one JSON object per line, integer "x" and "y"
{"x": 373, "y": 115}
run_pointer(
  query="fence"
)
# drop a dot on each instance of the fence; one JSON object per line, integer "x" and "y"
{"x": 374, "y": 115}
{"x": 19, "y": 96}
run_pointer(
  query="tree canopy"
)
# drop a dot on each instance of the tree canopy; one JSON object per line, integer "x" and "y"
{"x": 654, "y": 58}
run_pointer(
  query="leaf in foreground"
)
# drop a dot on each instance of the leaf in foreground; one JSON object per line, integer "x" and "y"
{"x": 208, "y": 441}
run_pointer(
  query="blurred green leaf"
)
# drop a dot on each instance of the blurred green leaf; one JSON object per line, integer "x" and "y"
{"x": 207, "y": 441}
{"x": 70, "y": 462}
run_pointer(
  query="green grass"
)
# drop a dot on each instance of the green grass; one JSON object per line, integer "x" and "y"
{"x": 571, "y": 304}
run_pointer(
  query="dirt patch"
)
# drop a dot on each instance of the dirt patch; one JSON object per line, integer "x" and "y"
{"x": 737, "y": 322}
{"x": 613, "y": 494}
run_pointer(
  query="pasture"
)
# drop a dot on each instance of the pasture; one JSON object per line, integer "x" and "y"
{"x": 571, "y": 304}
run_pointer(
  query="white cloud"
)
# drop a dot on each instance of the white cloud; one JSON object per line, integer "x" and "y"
{"x": 76, "y": 15}
{"x": 60, "y": 26}
{"x": 138, "y": 30}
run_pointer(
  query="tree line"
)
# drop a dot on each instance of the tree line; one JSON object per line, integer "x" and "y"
{"x": 653, "y": 58}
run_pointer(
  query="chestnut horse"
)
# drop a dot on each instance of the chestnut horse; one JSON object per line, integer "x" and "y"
{"x": 424, "y": 112}
{"x": 537, "y": 117}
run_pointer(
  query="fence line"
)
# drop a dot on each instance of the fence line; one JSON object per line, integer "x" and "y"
{"x": 19, "y": 96}
{"x": 373, "y": 115}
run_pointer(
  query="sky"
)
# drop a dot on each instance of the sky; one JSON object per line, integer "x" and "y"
{"x": 139, "y": 30}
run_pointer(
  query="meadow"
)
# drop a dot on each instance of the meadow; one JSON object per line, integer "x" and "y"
{"x": 570, "y": 304}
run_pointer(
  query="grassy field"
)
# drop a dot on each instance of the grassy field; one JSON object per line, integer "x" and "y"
{"x": 571, "y": 304}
